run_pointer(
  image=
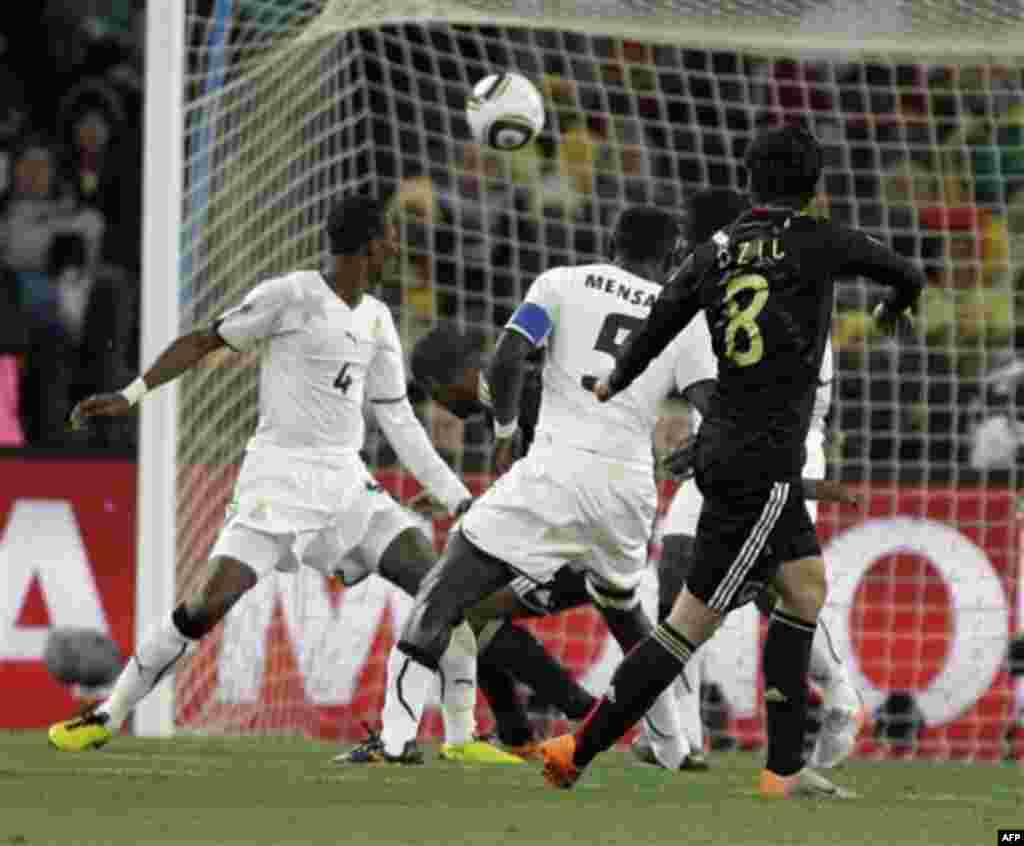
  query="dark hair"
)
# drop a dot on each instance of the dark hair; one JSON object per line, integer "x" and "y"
{"x": 643, "y": 233}
{"x": 710, "y": 210}
{"x": 66, "y": 250}
{"x": 353, "y": 223}
{"x": 440, "y": 356}
{"x": 784, "y": 164}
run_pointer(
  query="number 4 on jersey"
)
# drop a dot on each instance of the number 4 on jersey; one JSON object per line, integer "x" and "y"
{"x": 343, "y": 380}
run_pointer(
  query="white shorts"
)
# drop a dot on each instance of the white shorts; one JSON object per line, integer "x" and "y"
{"x": 333, "y": 517}
{"x": 684, "y": 510}
{"x": 564, "y": 506}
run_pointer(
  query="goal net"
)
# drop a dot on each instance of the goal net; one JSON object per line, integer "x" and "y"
{"x": 920, "y": 108}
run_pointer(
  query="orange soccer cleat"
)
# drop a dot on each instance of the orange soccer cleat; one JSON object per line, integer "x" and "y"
{"x": 806, "y": 784}
{"x": 559, "y": 769}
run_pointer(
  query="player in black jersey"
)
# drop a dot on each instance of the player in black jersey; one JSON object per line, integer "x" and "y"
{"x": 449, "y": 366}
{"x": 766, "y": 284}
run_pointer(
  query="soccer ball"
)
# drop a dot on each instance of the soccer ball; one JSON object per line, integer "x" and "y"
{"x": 505, "y": 111}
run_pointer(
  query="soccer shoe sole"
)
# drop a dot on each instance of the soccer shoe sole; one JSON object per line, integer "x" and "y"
{"x": 477, "y": 752}
{"x": 81, "y": 739}
{"x": 805, "y": 784}
{"x": 557, "y": 753}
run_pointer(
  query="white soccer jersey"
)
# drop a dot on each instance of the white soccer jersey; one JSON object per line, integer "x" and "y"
{"x": 585, "y": 314}
{"x": 321, "y": 361}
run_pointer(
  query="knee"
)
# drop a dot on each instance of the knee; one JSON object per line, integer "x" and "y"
{"x": 226, "y": 582}
{"x": 428, "y": 629}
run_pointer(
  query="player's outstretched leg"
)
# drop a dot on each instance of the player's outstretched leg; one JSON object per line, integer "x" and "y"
{"x": 843, "y": 707}
{"x": 787, "y": 649}
{"x": 643, "y": 675}
{"x": 229, "y": 579}
{"x": 512, "y": 724}
{"x": 462, "y": 577}
{"x": 406, "y": 563}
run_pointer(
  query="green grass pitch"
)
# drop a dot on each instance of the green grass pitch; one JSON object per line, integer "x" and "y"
{"x": 281, "y": 791}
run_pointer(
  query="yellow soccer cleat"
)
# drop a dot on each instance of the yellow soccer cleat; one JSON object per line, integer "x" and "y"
{"x": 89, "y": 730}
{"x": 477, "y": 752}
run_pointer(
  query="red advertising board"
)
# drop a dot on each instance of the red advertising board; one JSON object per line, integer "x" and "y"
{"x": 67, "y": 558}
{"x": 923, "y": 590}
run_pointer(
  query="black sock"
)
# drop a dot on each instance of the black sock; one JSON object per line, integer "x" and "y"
{"x": 787, "y": 656}
{"x": 525, "y": 659}
{"x": 639, "y": 680}
{"x": 513, "y": 725}
{"x": 627, "y": 627}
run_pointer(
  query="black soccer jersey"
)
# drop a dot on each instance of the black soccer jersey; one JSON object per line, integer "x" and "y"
{"x": 766, "y": 283}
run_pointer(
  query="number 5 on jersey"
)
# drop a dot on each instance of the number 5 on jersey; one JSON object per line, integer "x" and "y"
{"x": 744, "y": 318}
{"x": 613, "y": 334}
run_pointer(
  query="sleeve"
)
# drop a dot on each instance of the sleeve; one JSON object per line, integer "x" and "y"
{"x": 386, "y": 381}
{"x": 862, "y": 255}
{"x": 538, "y": 312}
{"x": 675, "y": 307}
{"x": 263, "y": 313}
{"x": 407, "y": 436}
{"x": 386, "y": 388}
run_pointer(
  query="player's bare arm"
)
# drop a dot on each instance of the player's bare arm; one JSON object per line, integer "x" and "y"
{"x": 180, "y": 356}
{"x": 505, "y": 378}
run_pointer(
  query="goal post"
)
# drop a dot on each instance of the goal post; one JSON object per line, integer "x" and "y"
{"x": 161, "y": 226}
{"x": 271, "y": 108}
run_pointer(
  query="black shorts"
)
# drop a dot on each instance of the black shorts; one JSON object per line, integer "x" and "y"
{"x": 568, "y": 589}
{"x": 743, "y": 538}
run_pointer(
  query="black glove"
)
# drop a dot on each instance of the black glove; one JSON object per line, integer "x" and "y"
{"x": 893, "y": 323}
{"x": 679, "y": 462}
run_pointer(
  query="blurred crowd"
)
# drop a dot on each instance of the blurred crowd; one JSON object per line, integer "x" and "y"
{"x": 928, "y": 157}
{"x": 70, "y": 216}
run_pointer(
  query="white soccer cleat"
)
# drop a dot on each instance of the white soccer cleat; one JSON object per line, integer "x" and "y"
{"x": 840, "y": 726}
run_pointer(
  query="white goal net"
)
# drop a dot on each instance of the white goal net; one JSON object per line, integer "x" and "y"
{"x": 920, "y": 108}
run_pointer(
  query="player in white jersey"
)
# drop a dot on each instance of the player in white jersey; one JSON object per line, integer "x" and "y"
{"x": 585, "y": 493}
{"x": 304, "y": 495}
{"x": 709, "y": 211}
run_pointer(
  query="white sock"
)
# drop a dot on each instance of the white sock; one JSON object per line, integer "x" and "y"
{"x": 458, "y": 693}
{"x": 159, "y": 652}
{"x": 826, "y": 666}
{"x": 664, "y": 730}
{"x": 409, "y": 684}
{"x": 687, "y": 687}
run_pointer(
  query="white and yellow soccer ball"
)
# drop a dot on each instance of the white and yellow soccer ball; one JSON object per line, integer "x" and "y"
{"x": 505, "y": 111}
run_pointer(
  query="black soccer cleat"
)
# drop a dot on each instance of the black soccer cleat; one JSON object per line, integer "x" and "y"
{"x": 371, "y": 751}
